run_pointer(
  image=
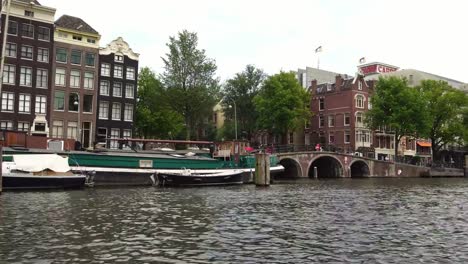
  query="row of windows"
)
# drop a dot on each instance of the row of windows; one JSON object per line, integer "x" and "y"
{"x": 27, "y": 30}
{"x": 26, "y": 52}
{"x": 61, "y": 55}
{"x": 75, "y": 78}
{"x": 361, "y": 136}
{"x": 118, "y": 71}
{"x": 75, "y": 104}
{"x": 104, "y": 89}
{"x": 8, "y": 125}
{"x": 24, "y": 103}
{"x": 26, "y": 76}
{"x": 116, "y": 111}
{"x": 346, "y": 120}
{"x": 358, "y": 99}
{"x": 77, "y": 37}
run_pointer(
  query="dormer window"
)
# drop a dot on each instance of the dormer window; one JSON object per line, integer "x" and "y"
{"x": 75, "y": 37}
{"x": 118, "y": 58}
{"x": 28, "y": 13}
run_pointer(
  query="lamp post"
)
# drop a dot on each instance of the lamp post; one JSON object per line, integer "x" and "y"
{"x": 235, "y": 118}
{"x": 77, "y": 103}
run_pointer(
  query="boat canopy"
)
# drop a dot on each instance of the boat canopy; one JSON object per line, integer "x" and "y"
{"x": 40, "y": 162}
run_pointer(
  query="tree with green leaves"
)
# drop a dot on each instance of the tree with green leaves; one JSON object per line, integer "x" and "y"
{"x": 154, "y": 117}
{"x": 399, "y": 107}
{"x": 241, "y": 90}
{"x": 282, "y": 104}
{"x": 189, "y": 76}
{"x": 445, "y": 107}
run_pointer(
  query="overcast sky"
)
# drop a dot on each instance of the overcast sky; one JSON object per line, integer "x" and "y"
{"x": 282, "y": 35}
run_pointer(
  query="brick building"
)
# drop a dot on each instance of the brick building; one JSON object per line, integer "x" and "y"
{"x": 338, "y": 121}
{"x": 118, "y": 76}
{"x": 27, "y": 70}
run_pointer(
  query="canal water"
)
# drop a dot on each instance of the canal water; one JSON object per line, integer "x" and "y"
{"x": 310, "y": 221}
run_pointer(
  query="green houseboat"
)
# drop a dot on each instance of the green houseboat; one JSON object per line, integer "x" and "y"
{"x": 129, "y": 167}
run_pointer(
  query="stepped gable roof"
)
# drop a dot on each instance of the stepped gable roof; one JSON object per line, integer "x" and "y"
{"x": 74, "y": 23}
{"x": 29, "y": 1}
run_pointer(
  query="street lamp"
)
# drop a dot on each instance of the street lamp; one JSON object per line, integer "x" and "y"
{"x": 235, "y": 117}
{"x": 77, "y": 103}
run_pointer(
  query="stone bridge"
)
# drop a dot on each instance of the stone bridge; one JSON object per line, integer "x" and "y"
{"x": 319, "y": 164}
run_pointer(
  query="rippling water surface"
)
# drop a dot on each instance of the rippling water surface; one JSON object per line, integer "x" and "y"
{"x": 329, "y": 221}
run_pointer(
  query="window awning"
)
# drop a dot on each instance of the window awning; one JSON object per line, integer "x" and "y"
{"x": 424, "y": 144}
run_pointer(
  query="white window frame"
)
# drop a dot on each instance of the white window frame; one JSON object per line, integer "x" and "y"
{"x": 116, "y": 111}
{"x": 8, "y": 101}
{"x": 23, "y": 126}
{"x": 346, "y": 116}
{"x": 105, "y": 69}
{"x": 347, "y": 140}
{"x": 114, "y": 133}
{"x": 117, "y": 89}
{"x": 40, "y": 104}
{"x": 27, "y": 50}
{"x": 72, "y": 129}
{"x": 104, "y": 110}
{"x": 75, "y": 78}
{"x": 48, "y": 34}
{"x": 130, "y": 73}
{"x": 104, "y": 89}
{"x": 9, "y": 74}
{"x": 42, "y": 79}
{"x": 60, "y": 76}
{"x": 88, "y": 80}
{"x": 331, "y": 120}
{"x": 129, "y": 90}
{"x": 128, "y": 112}
{"x": 359, "y": 116}
{"x": 55, "y": 100}
{"x": 24, "y": 103}
{"x": 43, "y": 55}
{"x": 118, "y": 71}
{"x": 10, "y": 51}
{"x": 25, "y": 76}
{"x": 57, "y": 129}
{"x": 31, "y": 26}
{"x": 360, "y": 99}
{"x": 6, "y": 125}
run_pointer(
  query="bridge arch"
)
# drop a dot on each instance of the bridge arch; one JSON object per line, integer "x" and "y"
{"x": 359, "y": 168}
{"x": 292, "y": 168}
{"x": 327, "y": 167}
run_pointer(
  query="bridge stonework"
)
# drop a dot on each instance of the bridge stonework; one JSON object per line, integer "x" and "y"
{"x": 331, "y": 164}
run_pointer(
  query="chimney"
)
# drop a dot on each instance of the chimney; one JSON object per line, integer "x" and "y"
{"x": 338, "y": 82}
{"x": 313, "y": 86}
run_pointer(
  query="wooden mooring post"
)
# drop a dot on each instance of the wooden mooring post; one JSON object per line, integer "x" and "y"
{"x": 466, "y": 165}
{"x": 262, "y": 169}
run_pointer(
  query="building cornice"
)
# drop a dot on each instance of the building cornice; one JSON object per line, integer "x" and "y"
{"x": 76, "y": 32}
{"x": 119, "y": 46}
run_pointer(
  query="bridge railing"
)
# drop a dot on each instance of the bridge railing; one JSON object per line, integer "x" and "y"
{"x": 275, "y": 148}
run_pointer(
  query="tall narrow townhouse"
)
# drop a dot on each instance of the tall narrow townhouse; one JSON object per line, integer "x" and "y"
{"x": 118, "y": 75}
{"x": 26, "y": 86}
{"x": 76, "y": 50}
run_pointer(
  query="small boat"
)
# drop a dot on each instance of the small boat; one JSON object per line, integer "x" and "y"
{"x": 39, "y": 171}
{"x": 187, "y": 177}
